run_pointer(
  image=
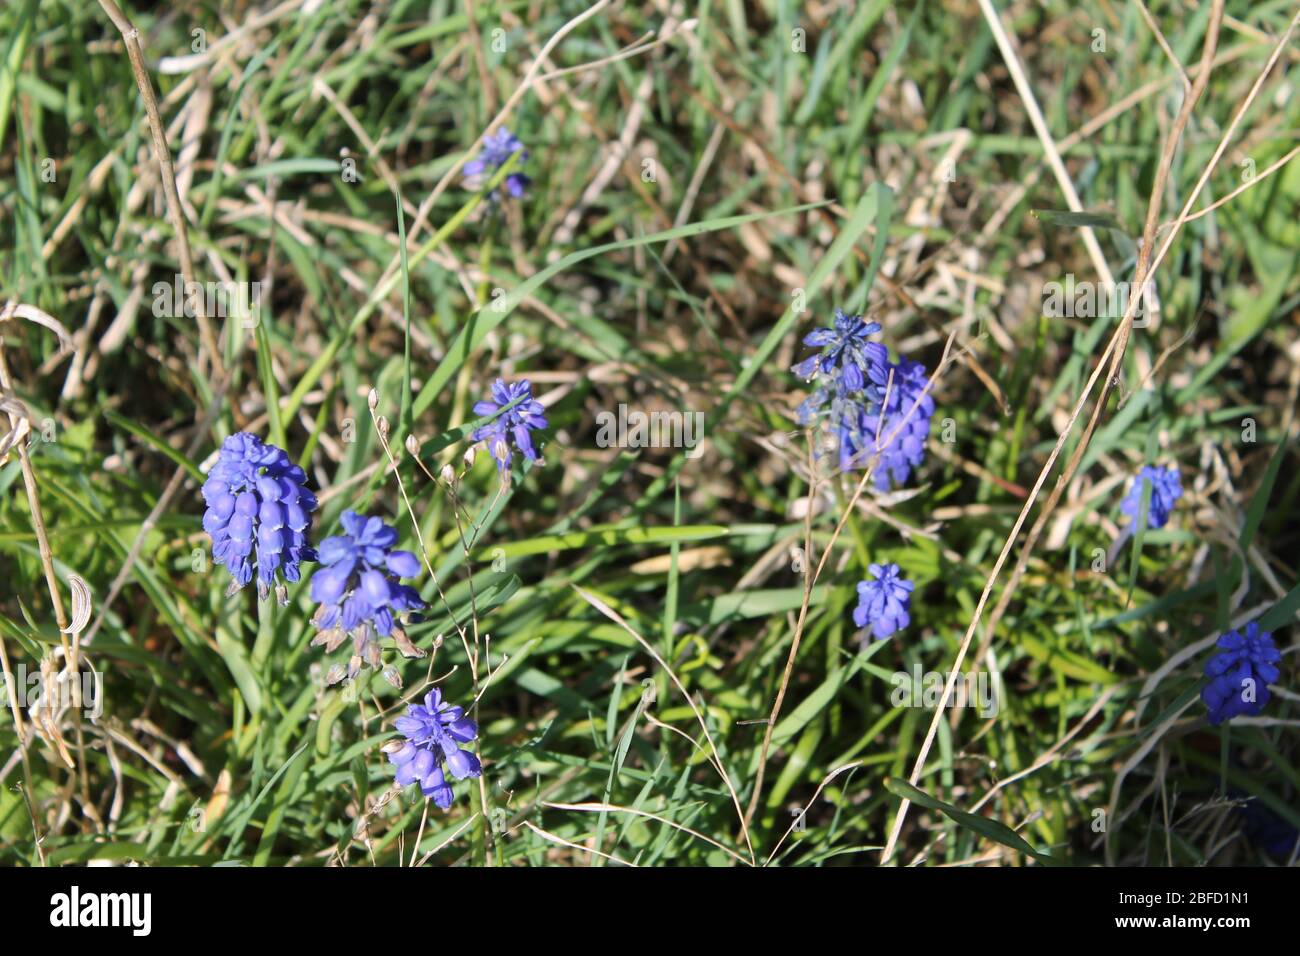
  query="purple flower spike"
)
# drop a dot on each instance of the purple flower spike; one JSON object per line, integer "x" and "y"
{"x": 845, "y": 352}
{"x": 497, "y": 148}
{"x": 1166, "y": 488}
{"x": 359, "y": 592}
{"x": 883, "y": 604}
{"x": 258, "y": 513}
{"x": 1240, "y": 673}
{"x": 434, "y": 734}
{"x": 907, "y": 449}
{"x": 857, "y": 408}
{"x": 515, "y": 426}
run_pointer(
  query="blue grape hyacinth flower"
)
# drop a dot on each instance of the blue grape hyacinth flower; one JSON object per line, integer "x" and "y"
{"x": 1240, "y": 673}
{"x": 877, "y": 421}
{"x": 497, "y": 148}
{"x": 863, "y": 413}
{"x": 434, "y": 734}
{"x": 906, "y": 408}
{"x": 845, "y": 349}
{"x": 358, "y": 589}
{"x": 1165, "y": 490}
{"x": 514, "y": 426}
{"x": 258, "y": 513}
{"x": 883, "y": 604}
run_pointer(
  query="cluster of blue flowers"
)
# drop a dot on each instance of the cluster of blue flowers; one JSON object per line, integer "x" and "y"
{"x": 514, "y": 427}
{"x": 497, "y": 148}
{"x": 872, "y": 408}
{"x": 358, "y": 583}
{"x": 874, "y": 411}
{"x": 258, "y": 513}
{"x": 434, "y": 734}
{"x": 847, "y": 358}
{"x": 869, "y": 407}
{"x": 904, "y": 413}
{"x": 1238, "y": 676}
{"x": 358, "y": 590}
{"x": 1166, "y": 489}
{"x": 884, "y": 605}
